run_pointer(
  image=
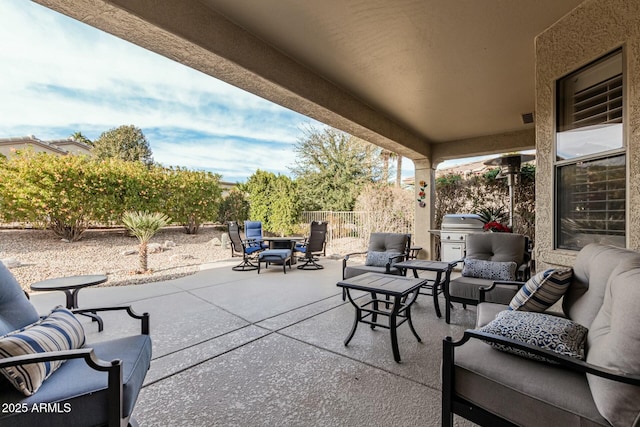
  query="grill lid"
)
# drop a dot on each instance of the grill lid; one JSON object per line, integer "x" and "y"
{"x": 461, "y": 222}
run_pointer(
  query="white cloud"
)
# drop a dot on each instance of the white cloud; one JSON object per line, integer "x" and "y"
{"x": 60, "y": 76}
{"x": 234, "y": 158}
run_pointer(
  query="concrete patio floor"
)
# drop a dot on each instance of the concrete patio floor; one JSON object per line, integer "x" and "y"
{"x": 241, "y": 349}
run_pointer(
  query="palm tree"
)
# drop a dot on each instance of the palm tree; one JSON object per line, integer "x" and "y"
{"x": 387, "y": 156}
{"x": 79, "y": 137}
{"x": 144, "y": 226}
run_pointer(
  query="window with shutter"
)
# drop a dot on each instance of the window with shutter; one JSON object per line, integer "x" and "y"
{"x": 590, "y": 156}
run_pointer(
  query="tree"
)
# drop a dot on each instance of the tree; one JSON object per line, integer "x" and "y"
{"x": 79, "y": 137}
{"x": 144, "y": 226}
{"x": 234, "y": 207}
{"x": 192, "y": 197}
{"x": 386, "y": 156}
{"x": 332, "y": 166}
{"x": 273, "y": 200}
{"x": 125, "y": 142}
{"x": 389, "y": 208}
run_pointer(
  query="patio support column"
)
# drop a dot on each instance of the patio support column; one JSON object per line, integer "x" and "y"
{"x": 424, "y": 171}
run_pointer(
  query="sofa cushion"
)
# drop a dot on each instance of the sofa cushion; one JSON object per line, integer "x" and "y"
{"x": 492, "y": 270}
{"x": 380, "y": 259}
{"x": 614, "y": 343}
{"x": 517, "y": 388}
{"x": 591, "y": 272}
{"x": 549, "y": 332}
{"x": 486, "y": 312}
{"x": 542, "y": 290}
{"x": 58, "y": 331}
{"x": 16, "y": 311}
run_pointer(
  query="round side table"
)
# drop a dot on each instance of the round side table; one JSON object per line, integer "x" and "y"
{"x": 71, "y": 287}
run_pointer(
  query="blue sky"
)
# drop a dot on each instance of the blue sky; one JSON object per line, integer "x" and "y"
{"x": 60, "y": 76}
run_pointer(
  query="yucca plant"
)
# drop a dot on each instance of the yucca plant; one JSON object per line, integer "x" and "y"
{"x": 144, "y": 225}
{"x": 493, "y": 214}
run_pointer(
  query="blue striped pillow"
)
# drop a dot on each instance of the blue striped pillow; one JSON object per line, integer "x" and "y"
{"x": 542, "y": 290}
{"x": 58, "y": 331}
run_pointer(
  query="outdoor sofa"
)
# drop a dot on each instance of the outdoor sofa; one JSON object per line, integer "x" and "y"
{"x": 498, "y": 388}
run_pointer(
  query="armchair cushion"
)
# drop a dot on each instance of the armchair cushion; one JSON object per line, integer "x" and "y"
{"x": 85, "y": 398}
{"x": 614, "y": 343}
{"x": 380, "y": 259}
{"x": 492, "y": 270}
{"x": 388, "y": 242}
{"x": 58, "y": 331}
{"x": 553, "y": 333}
{"x": 542, "y": 290}
{"x": 16, "y": 311}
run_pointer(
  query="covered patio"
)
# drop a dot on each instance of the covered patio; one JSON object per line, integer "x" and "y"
{"x": 428, "y": 80}
{"x": 231, "y": 348}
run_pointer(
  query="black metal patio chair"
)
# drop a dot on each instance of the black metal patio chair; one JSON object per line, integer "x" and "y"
{"x": 248, "y": 249}
{"x": 313, "y": 246}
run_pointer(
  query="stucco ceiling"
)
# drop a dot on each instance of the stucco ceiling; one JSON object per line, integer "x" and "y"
{"x": 408, "y": 75}
{"x": 446, "y": 69}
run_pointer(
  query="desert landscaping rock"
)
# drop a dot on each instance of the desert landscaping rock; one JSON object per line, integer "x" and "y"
{"x": 38, "y": 255}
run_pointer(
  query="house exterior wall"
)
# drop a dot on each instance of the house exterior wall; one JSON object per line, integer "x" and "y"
{"x": 8, "y": 149}
{"x": 593, "y": 29}
{"x": 73, "y": 147}
{"x": 60, "y": 147}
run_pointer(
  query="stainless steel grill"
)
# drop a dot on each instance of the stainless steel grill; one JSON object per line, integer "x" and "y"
{"x": 453, "y": 234}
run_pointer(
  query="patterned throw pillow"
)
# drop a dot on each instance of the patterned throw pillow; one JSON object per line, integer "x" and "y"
{"x": 552, "y": 333}
{"x": 58, "y": 331}
{"x": 492, "y": 270}
{"x": 542, "y": 290}
{"x": 380, "y": 259}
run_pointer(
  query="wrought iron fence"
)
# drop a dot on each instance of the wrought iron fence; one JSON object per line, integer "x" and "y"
{"x": 349, "y": 231}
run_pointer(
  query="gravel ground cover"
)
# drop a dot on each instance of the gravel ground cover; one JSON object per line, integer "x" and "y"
{"x": 41, "y": 255}
{"x": 33, "y": 255}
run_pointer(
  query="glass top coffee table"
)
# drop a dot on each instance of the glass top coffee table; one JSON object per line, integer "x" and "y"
{"x": 399, "y": 294}
{"x": 71, "y": 287}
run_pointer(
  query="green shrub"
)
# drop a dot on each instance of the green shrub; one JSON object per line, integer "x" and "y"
{"x": 68, "y": 193}
{"x": 192, "y": 197}
{"x": 49, "y": 191}
{"x": 234, "y": 207}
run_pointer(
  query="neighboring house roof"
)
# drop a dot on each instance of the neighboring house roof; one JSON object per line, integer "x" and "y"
{"x": 71, "y": 145}
{"x": 60, "y": 147}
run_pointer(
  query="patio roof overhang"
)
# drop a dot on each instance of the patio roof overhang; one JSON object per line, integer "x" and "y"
{"x": 424, "y": 78}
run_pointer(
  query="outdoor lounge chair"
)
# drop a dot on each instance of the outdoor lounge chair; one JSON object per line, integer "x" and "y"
{"x": 248, "y": 249}
{"x": 313, "y": 246}
{"x": 253, "y": 231}
{"x": 97, "y": 384}
{"x": 385, "y": 249}
{"x": 489, "y": 257}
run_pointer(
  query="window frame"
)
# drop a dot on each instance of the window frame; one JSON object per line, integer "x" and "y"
{"x": 623, "y": 150}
